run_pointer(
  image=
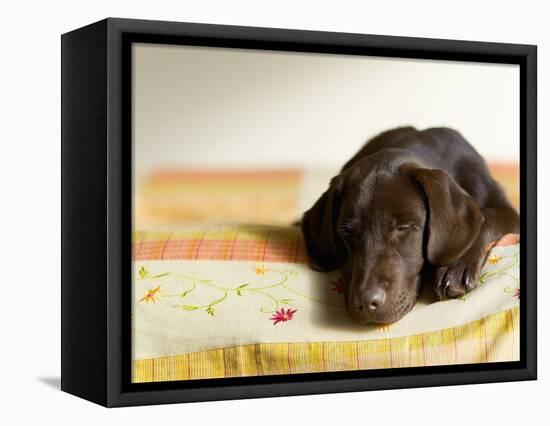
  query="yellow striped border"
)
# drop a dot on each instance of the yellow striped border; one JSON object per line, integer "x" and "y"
{"x": 494, "y": 338}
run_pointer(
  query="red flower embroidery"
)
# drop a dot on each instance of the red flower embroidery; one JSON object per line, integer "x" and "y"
{"x": 338, "y": 285}
{"x": 516, "y": 293}
{"x": 282, "y": 315}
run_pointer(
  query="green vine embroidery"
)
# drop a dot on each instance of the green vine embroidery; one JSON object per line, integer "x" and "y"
{"x": 504, "y": 271}
{"x": 274, "y": 303}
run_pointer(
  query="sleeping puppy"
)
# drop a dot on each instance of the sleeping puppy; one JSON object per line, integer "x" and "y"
{"x": 410, "y": 206}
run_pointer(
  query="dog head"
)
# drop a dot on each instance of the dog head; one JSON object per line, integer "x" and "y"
{"x": 380, "y": 222}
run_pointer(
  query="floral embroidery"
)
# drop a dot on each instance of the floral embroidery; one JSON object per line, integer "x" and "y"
{"x": 338, "y": 285}
{"x": 280, "y": 278}
{"x": 514, "y": 291}
{"x": 260, "y": 270}
{"x": 504, "y": 270}
{"x": 151, "y": 295}
{"x": 282, "y": 316}
{"x": 384, "y": 327}
{"x": 143, "y": 272}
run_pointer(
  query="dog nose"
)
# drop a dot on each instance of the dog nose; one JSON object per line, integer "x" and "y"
{"x": 375, "y": 298}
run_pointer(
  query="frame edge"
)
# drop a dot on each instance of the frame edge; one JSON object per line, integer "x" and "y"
{"x": 83, "y": 214}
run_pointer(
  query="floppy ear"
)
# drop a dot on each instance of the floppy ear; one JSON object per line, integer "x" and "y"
{"x": 325, "y": 249}
{"x": 454, "y": 218}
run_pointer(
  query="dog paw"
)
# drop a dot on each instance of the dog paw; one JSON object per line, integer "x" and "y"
{"x": 457, "y": 279}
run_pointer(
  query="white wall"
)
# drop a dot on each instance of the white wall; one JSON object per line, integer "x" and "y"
{"x": 211, "y": 107}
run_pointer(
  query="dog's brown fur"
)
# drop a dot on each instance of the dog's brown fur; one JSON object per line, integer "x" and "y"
{"x": 410, "y": 206}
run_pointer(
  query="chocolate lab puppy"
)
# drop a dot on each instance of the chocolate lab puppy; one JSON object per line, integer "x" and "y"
{"x": 410, "y": 206}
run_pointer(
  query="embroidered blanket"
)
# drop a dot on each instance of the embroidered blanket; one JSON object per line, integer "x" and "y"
{"x": 225, "y": 301}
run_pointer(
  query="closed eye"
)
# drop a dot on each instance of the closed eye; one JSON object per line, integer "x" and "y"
{"x": 406, "y": 227}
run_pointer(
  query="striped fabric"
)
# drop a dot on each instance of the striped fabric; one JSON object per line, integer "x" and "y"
{"x": 249, "y": 196}
{"x": 246, "y": 196}
{"x": 507, "y": 175}
{"x": 494, "y": 338}
{"x": 252, "y": 243}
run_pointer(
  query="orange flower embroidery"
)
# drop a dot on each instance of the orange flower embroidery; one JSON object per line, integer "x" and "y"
{"x": 260, "y": 270}
{"x": 494, "y": 259}
{"x": 151, "y": 295}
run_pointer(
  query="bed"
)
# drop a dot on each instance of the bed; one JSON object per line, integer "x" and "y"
{"x": 221, "y": 287}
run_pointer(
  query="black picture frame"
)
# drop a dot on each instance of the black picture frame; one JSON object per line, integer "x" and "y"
{"x": 96, "y": 211}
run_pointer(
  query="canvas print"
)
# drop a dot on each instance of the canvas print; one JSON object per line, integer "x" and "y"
{"x": 304, "y": 212}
